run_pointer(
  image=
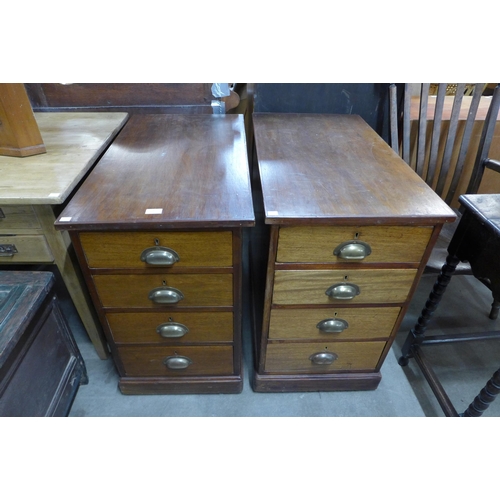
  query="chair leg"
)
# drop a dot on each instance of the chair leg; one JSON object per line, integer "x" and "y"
{"x": 495, "y": 308}
{"x": 417, "y": 333}
{"x": 483, "y": 400}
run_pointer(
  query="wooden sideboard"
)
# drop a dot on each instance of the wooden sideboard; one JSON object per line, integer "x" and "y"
{"x": 344, "y": 228}
{"x": 34, "y": 189}
{"x": 157, "y": 228}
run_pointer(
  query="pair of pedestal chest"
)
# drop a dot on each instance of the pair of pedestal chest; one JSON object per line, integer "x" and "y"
{"x": 345, "y": 230}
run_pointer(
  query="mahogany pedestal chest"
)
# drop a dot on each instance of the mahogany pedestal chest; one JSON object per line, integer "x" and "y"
{"x": 157, "y": 227}
{"x": 343, "y": 233}
{"x": 41, "y": 367}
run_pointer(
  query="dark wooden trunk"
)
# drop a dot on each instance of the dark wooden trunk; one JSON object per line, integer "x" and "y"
{"x": 41, "y": 367}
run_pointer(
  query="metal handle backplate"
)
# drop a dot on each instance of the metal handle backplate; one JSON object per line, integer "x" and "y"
{"x": 7, "y": 250}
{"x": 160, "y": 256}
{"x": 343, "y": 291}
{"x": 177, "y": 362}
{"x": 165, "y": 295}
{"x": 353, "y": 250}
{"x": 332, "y": 325}
{"x": 172, "y": 330}
{"x": 323, "y": 358}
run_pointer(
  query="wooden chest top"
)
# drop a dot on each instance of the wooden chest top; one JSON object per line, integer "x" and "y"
{"x": 317, "y": 169}
{"x": 21, "y": 294}
{"x": 74, "y": 141}
{"x": 168, "y": 171}
{"x": 486, "y": 207}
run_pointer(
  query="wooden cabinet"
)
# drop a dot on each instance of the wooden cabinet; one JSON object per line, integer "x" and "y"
{"x": 344, "y": 228}
{"x": 34, "y": 189}
{"x": 41, "y": 368}
{"x": 157, "y": 228}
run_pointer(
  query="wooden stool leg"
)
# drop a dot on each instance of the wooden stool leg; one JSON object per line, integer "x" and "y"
{"x": 417, "y": 333}
{"x": 483, "y": 400}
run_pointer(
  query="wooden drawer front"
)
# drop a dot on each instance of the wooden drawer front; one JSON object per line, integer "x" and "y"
{"x": 387, "y": 243}
{"x": 365, "y": 323}
{"x": 30, "y": 249}
{"x": 375, "y": 285}
{"x": 124, "y": 249}
{"x": 142, "y": 327}
{"x": 133, "y": 290}
{"x": 18, "y": 217}
{"x": 150, "y": 361}
{"x": 350, "y": 356}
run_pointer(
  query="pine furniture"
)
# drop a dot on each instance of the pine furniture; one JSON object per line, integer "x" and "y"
{"x": 34, "y": 189}
{"x": 19, "y": 133}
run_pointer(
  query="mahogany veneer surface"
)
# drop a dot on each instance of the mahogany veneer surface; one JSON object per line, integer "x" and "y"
{"x": 190, "y": 170}
{"x": 335, "y": 168}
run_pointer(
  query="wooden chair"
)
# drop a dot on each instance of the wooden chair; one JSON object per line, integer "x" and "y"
{"x": 436, "y": 145}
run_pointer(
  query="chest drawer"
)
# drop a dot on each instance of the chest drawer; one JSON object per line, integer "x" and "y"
{"x": 29, "y": 249}
{"x": 135, "y": 249}
{"x": 172, "y": 327}
{"x": 159, "y": 290}
{"x": 332, "y": 324}
{"x": 18, "y": 217}
{"x": 176, "y": 361}
{"x": 309, "y": 357}
{"x": 331, "y": 244}
{"x": 354, "y": 286}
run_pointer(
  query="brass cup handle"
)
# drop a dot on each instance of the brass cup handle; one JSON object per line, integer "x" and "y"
{"x": 165, "y": 295}
{"x": 177, "y": 362}
{"x": 160, "y": 256}
{"x": 353, "y": 250}
{"x": 332, "y": 325}
{"x": 343, "y": 291}
{"x": 323, "y": 358}
{"x": 172, "y": 330}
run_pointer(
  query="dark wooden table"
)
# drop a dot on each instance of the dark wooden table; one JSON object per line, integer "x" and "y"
{"x": 476, "y": 240}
